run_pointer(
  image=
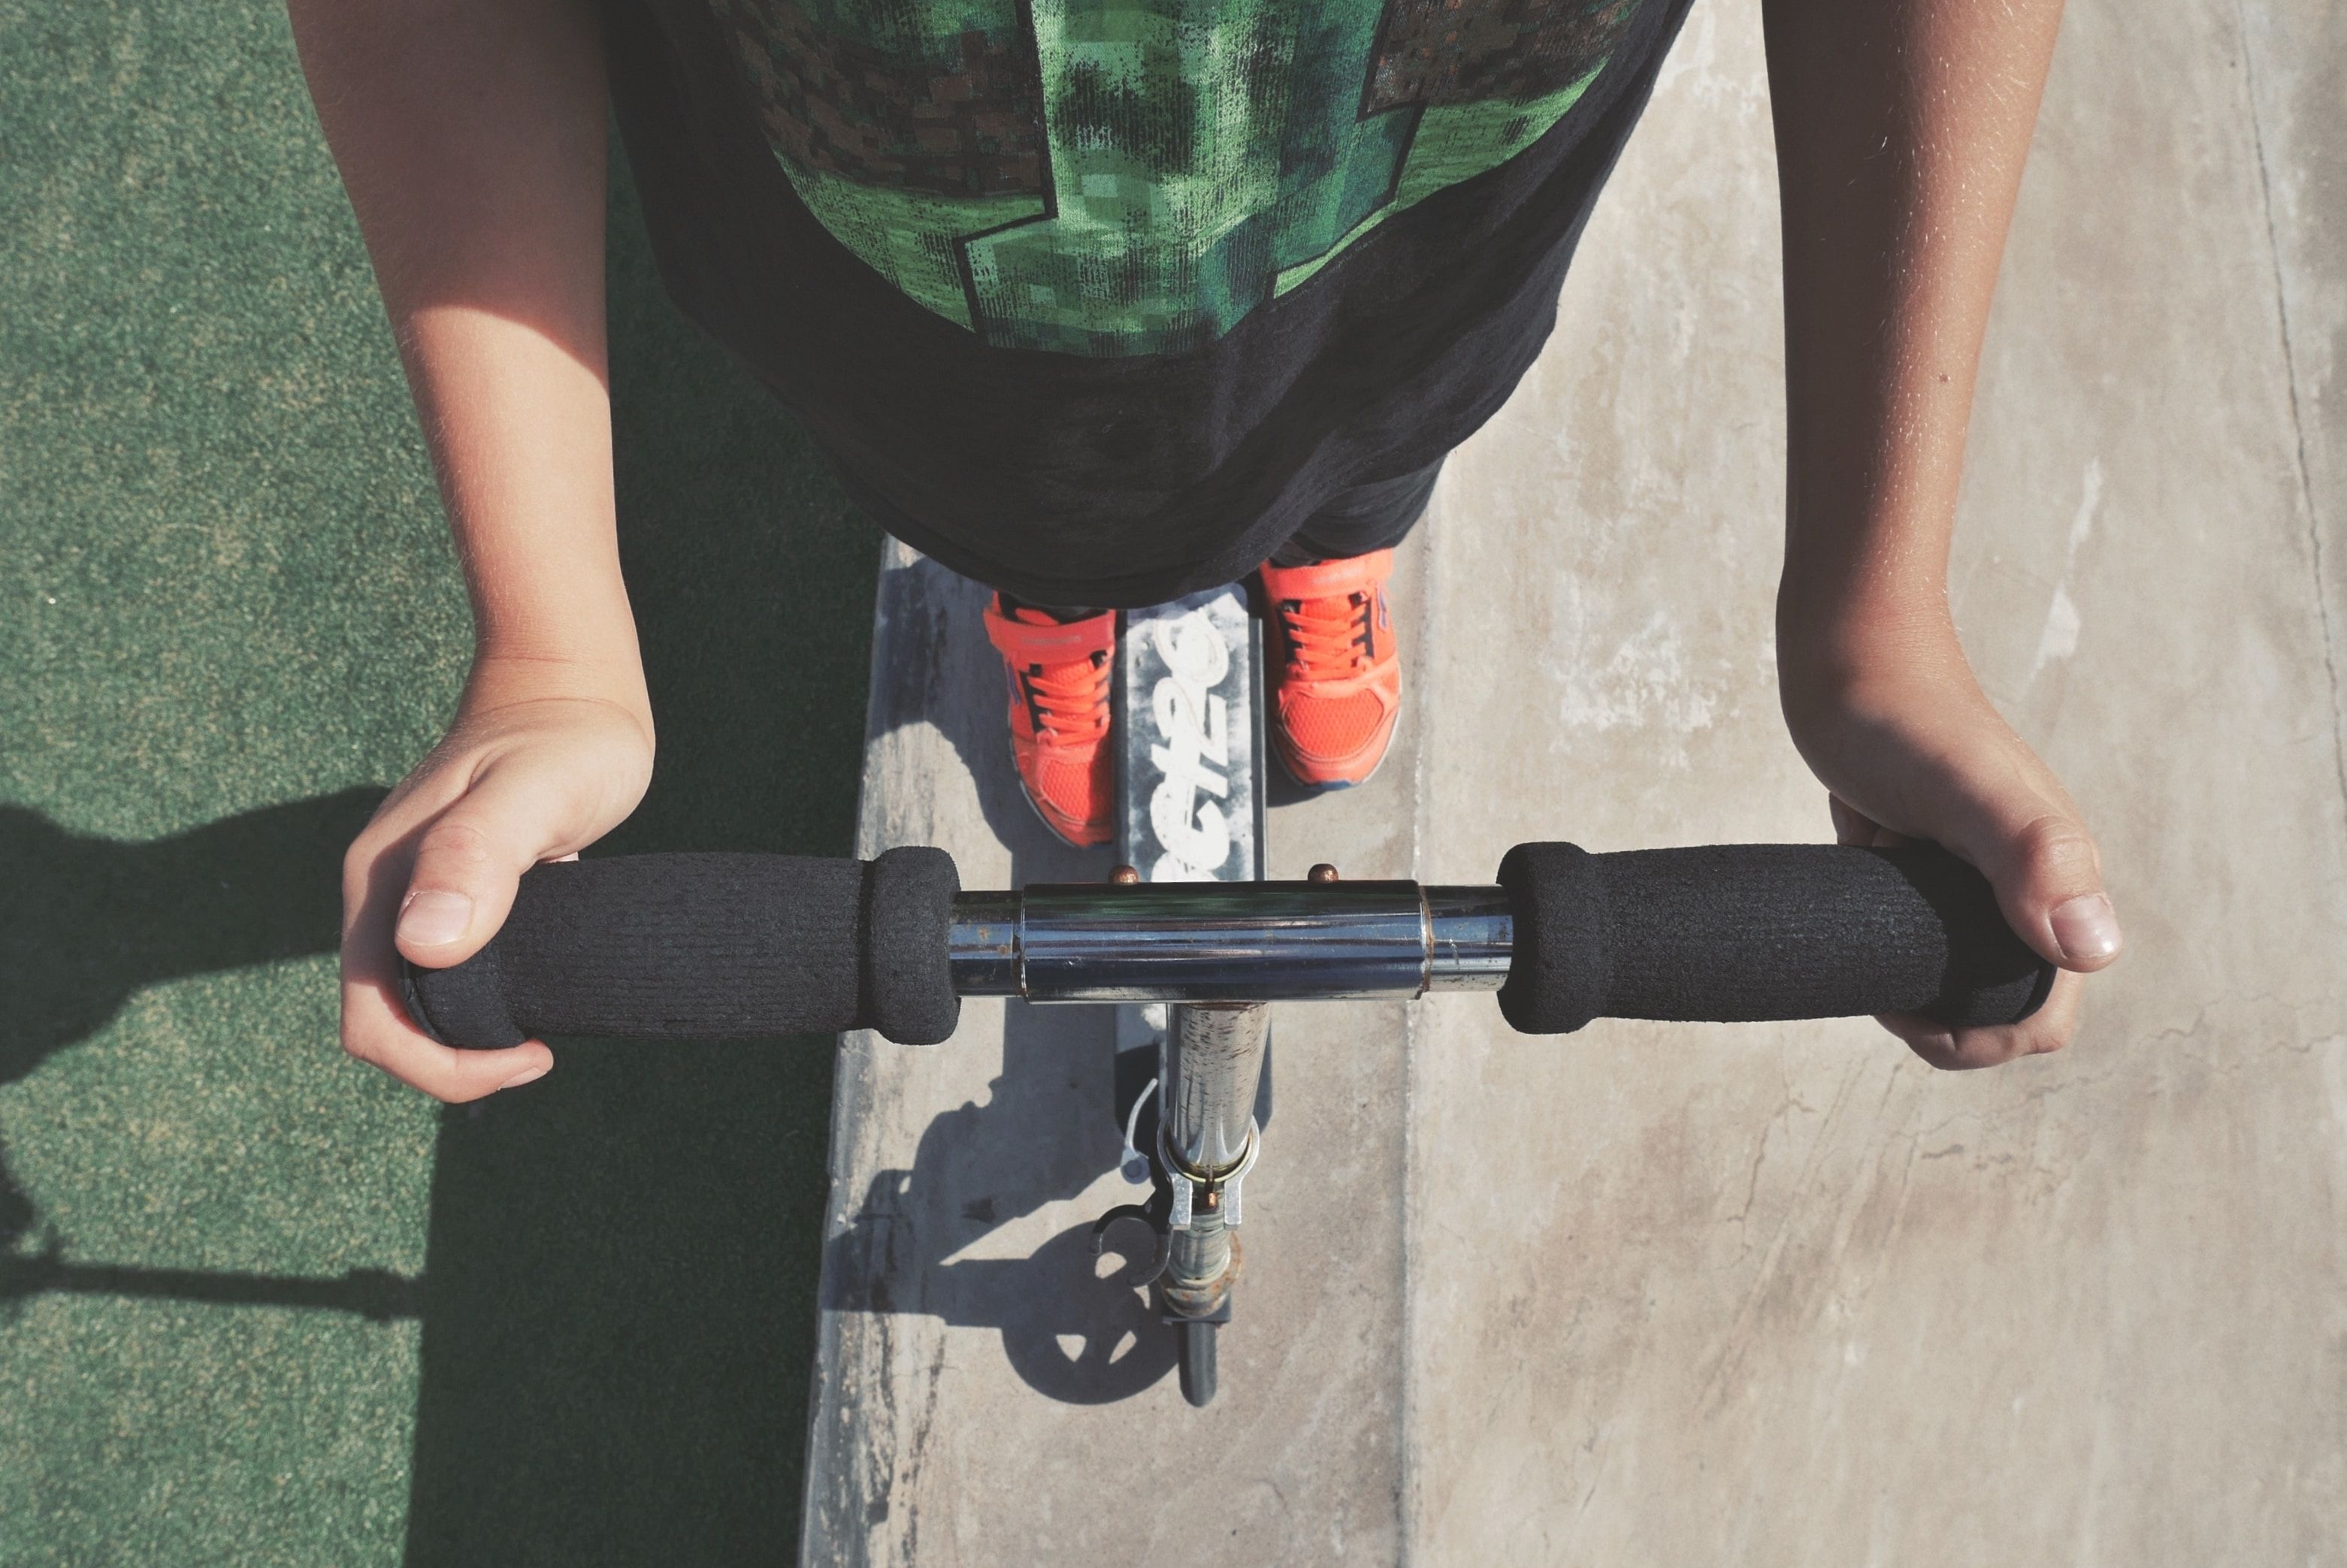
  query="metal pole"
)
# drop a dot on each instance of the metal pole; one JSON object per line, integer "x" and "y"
{"x": 1229, "y": 941}
{"x": 1213, "y": 1063}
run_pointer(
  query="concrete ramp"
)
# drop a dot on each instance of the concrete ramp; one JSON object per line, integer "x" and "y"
{"x": 1759, "y": 1295}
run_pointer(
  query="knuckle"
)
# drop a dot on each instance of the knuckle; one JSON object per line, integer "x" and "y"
{"x": 459, "y": 846}
{"x": 2058, "y": 848}
{"x": 389, "y": 1062}
{"x": 1973, "y": 1049}
{"x": 2046, "y": 1043}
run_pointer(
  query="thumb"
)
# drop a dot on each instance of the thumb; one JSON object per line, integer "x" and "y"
{"x": 468, "y": 863}
{"x": 2048, "y": 877}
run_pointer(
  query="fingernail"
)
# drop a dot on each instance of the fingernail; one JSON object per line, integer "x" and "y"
{"x": 2086, "y": 928}
{"x": 432, "y": 919}
{"x": 526, "y": 1075}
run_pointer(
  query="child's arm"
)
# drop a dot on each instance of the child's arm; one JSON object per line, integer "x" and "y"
{"x": 470, "y": 134}
{"x": 1901, "y": 128}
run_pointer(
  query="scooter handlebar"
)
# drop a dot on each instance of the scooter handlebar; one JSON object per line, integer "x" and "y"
{"x": 702, "y": 946}
{"x": 707, "y": 947}
{"x": 1753, "y": 931}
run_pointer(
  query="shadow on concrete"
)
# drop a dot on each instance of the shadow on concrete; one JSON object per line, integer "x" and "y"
{"x": 1046, "y": 1131}
{"x": 943, "y": 673}
{"x": 1075, "y": 1328}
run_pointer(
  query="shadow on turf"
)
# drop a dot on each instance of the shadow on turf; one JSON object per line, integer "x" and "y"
{"x": 87, "y": 922}
{"x": 622, "y": 1257}
{"x": 374, "y": 1293}
{"x": 618, "y": 1298}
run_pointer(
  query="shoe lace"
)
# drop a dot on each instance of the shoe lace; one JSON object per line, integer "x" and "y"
{"x": 1071, "y": 699}
{"x": 1328, "y": 639}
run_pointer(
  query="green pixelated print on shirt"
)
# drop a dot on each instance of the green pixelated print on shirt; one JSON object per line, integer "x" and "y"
{"x": 1133, "y": 177}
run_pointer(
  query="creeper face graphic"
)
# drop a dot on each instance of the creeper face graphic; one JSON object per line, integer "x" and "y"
{"x": 1133, "y": 177}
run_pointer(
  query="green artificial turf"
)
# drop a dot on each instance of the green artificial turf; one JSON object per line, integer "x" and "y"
{"x": 258, "y": 1305}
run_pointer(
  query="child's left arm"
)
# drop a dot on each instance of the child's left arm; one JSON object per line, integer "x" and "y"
{"x": 1901, "y": 128}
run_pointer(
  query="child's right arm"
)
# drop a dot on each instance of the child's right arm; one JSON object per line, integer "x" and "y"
{"x": 470, "y": 134}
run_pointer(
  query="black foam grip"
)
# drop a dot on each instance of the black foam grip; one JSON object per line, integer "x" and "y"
{"x": 707, "y": 947}
{"x": 1750, "y": 931}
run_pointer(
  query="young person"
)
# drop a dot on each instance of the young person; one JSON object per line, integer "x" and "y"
{"x": 1103, "y": 300}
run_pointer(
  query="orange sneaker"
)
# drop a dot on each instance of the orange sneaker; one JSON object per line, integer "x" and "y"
{"x": 1335, "y": 670}
{"x": 1059, "y": 674}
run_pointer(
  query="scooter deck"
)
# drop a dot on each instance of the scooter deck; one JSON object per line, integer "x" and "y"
{"x": 1192, "y": 784}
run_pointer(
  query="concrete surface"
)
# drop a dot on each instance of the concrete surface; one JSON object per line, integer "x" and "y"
{"x": 1758, "y": 1294}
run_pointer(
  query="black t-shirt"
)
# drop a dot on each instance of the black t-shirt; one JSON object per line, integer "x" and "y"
{"x": 1098, "y": 300}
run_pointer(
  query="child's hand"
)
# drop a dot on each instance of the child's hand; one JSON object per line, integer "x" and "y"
{"x": 1911, "y": 748}
{"x": 538, "y": 765}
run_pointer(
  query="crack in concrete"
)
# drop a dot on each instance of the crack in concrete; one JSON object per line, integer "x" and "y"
{"x": 2297, "y": 417}
{"x": 1713, "y": 1394}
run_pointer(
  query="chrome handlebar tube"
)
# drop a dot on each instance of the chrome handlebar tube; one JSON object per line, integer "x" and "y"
{"x": 1229, "y": 941}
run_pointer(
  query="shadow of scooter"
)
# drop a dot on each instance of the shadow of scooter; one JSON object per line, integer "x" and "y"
{"x": 1073, "y": 1328}
{"x": 86, "y": 923}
